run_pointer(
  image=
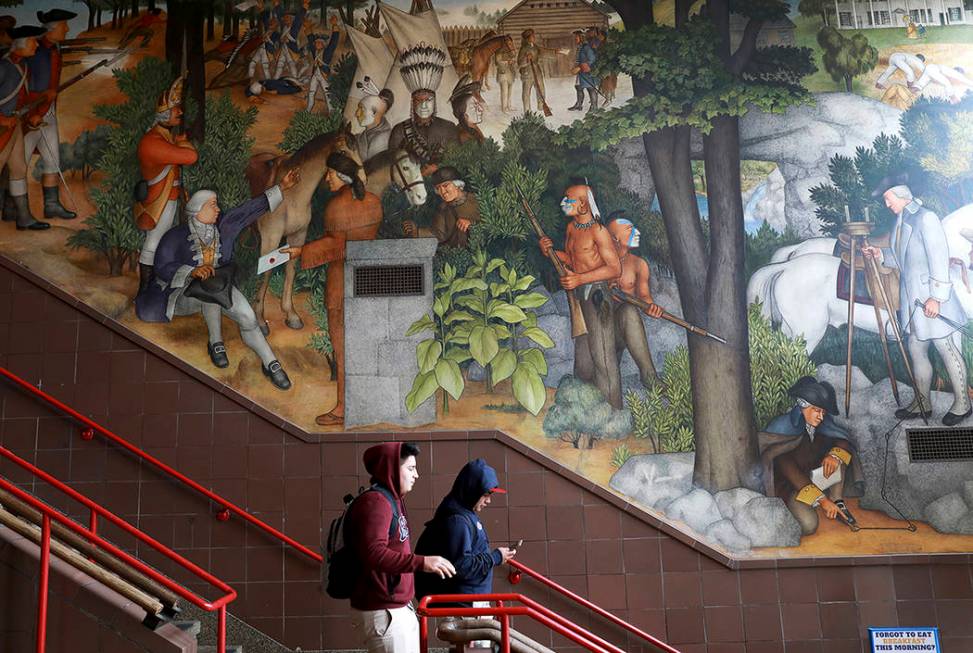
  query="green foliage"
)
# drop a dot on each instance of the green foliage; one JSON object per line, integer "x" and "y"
{"x": 852, "y": 181}
{"x": 939, "y": 141}
{"x": 83, "y": 154}
{"x": 685, "y": 81}
{"x": 111, "y": 231}
{"x": 224, "y": 152}
{"x": 580, "y": 410}
{"x": 304, "y": 126}
{"x": 761, "y": 246}
{"x": 620, "y": 455}
{"x": 846, "y": 58}
{"x": 641, "y": 418}
{"x": 815, "y": 9}
{"x": 339, "y": 81}
{"x": 321, "y": 340}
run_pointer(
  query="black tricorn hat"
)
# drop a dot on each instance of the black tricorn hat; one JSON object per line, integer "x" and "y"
{"x": 443, "y": 174}
{"x": 26, "y": 31}
{"x": 817, "y": 393}
{"x": 55, "y": 15}
{"x": 218, "y": 289}
{"x": 889, "y": 181}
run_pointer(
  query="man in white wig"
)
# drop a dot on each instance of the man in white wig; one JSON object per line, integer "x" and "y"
{"x": 370, "y": 127}
{"x": 194, "y": 273}
{"x": 919, "y": 251}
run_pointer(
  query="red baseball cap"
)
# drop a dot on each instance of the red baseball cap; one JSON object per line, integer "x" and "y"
{"x": 498, "y": 490}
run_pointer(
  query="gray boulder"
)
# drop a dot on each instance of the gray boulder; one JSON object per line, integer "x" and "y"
{"x": 964, "y": 525}
{"x": 766, "y": 521}
{"x": 551, "y": 305}
{"x": 698, "y": 509}
{"x": 729, "y": 502}
{"x": 723, "y": 532}
{"x": 835, "y": 375}
{"x": 944, "y": 513}
{"x": 655, "y": 480}
{"x": 557, "y": 370}
{"x": 559, "y": 328}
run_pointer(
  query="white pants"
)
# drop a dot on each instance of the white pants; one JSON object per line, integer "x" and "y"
{"x": 395, "y": 630}
{"x": 934, "y": 75}
{"x": 950, "y": 351}
{"x": 45, "y": 141}
{"x": 261, "y": 59}
{"x": 318, "y": 83}
{"x": 286, "y": 58}
{"x": 897, "y": 64}
{"x": 154, "y": 235}
{"x": 241, "y": 312}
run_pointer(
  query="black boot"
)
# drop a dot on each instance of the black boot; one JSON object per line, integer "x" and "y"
{"x": 217, "y": 354}
{"x": 24, "y": 218}
{"x": 9, "y": 208}
{"x": 580, "y": 101}
{"x": 146, "y": 275}
{"x": 593, "y": 96}
{"x": 277, "y": 375}
{"x": 53, "y": 207}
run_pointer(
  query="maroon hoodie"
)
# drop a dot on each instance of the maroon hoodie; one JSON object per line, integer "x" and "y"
{"x": 387, "y": 563}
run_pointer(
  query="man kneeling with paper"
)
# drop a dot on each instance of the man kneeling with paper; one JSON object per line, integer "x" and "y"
{"x": 807, "y": 458}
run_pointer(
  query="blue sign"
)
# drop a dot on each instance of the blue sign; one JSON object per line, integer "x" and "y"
{"x": 902, "y": 640}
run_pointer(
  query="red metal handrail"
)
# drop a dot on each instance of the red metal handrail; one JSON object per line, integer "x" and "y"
{"x": 89, "y": 533}
{"x": 226, "y": 507}
{"x": 528, "y": 608}
{"x": 518, "y": 569}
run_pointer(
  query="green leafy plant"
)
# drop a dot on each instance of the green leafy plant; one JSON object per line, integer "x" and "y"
{"x": 846, "y": 58}
{"x": 580, "y": 415}
{"x": 498, "y": 322}
{"x": 304, "y": 126}
{"x": 320, "y": 340}
{"x": 620, "y": 455}
{"x": 339, "y": 81}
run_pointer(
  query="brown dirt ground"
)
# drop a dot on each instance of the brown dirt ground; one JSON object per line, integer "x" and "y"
{"x": 84, "y": 275}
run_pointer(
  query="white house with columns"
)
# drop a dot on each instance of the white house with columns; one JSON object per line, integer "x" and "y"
{"x": 865, "y": 14}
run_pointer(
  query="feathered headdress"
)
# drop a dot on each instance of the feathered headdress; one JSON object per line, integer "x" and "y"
{"x": 422, "y": 67}
{"x": 368, "y": 87}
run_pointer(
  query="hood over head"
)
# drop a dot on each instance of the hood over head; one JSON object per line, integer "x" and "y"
{"x": 473, "y": 481}
{"x": 383, "y": 462}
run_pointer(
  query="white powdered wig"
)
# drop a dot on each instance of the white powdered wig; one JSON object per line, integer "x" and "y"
{"x": 901, "y": 191}
{"x": 196, "y": 202}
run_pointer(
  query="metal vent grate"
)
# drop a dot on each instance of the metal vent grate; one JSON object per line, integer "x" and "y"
{"x": 388, "y": 280}
{"x": 928, "y": 445}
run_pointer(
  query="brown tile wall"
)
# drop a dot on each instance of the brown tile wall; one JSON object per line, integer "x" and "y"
{"x": 577, "y": 534}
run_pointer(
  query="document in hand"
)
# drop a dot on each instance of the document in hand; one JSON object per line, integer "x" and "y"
{"x": 821, "y": 481}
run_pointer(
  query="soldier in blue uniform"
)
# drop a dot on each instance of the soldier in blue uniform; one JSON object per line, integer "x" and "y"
{"x": 41, "y": 135}
{"x": 289, "y": 49}
{"x": 585, "y": 81}
{"x": 320, "y": 53}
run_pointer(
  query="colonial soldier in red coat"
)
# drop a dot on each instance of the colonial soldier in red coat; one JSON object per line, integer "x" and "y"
{"x": 352, "y": 213}
{"x": 13, "y": 96}
{"x": 41, "y": 135}
{"x": 161, "y": 155}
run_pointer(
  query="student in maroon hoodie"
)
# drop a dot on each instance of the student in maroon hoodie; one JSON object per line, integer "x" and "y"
{"x": 384, "y": 590}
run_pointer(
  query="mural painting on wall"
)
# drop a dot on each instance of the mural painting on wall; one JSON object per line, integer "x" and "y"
{"x": 716, "y": 262}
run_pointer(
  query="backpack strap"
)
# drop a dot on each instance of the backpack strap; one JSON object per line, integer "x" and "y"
{"x": 385, "y": 492}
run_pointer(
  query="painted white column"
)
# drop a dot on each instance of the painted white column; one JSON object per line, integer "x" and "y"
{"x": 854, "y": 15}
{"x": 837, "y": 15}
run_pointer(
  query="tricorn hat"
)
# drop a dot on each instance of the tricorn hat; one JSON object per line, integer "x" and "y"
{"x": 444, "y": 174}
{"x": 217, "y": 289}
{"x": 889, "y": 181}
{"x": 55, "y": 15}
{"x": 171, "y": 97}
{"x": 817, "y": 393}
{"x": 26, "y": 32}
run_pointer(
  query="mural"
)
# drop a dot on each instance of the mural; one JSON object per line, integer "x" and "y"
{"x": 716, "y": 261}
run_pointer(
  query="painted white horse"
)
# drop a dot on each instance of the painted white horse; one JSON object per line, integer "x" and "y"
{"x": 797, "y": 290}
{"x": 397, "y": 169}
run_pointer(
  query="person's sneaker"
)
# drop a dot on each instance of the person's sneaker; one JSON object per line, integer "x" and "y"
{"x": 217, "y": 354}
{"x": 275, "y": 372}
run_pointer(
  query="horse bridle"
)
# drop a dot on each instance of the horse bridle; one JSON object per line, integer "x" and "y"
{"x": 404, "y": 185}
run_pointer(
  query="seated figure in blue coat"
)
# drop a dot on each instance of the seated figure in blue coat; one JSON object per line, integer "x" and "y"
{"x": 202, "y": 249}
{"x": 456, "y": 533}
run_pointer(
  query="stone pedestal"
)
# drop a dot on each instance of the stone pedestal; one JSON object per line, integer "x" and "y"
{"x": 380, "y": 361}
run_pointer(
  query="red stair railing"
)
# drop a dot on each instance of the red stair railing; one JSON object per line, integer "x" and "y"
{"x": 90, "y": 534}
{"x": 226, "y": 507}
{"x": 518, "y": 570}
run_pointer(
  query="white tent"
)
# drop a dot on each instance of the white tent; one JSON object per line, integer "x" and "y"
{"x": 374, "y": 61}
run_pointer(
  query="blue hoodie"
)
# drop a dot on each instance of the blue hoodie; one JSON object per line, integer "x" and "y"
{"x": 457, "y": 534}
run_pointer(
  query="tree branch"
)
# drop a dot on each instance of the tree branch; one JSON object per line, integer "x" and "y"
{"x": 634, "y": 13}
{"x": 744, "y": 53}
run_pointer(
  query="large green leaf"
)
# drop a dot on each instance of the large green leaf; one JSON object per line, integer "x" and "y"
{"x": 471, "y": 302}
{"x": 458, "y": 354}
{"x": 449, "y": 377}
{"x": 539, "y": 336}
{"x": 462, "y": 285}
{"x": 503, "y": 365}
{"x": 483, "y": 344}
{"x": 458, "y": 316}
{"x": 422, "y": 324}
{"x": 493, "y": 265}
{"x": 440, "y": 305}
{"x": 531, "y": 300}
{"x": 534, "y": 357}
{"x": 423, "y": 387}
{"x": 427, "y": 353}
{"x": 497, "y": 289}
{"x": 524, "y": 283}
{"x": 528, "y": 388}
{"x": 508, "y": 313}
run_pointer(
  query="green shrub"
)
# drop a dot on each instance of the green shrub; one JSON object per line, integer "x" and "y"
{"x": 339, "y": 81}
{"x": 620, "y": 455}
{"x": 580, "y": 411}
{"x": 304, "y": 126}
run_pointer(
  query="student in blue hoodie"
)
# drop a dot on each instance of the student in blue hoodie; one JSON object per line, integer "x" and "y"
{"x": 456, "y": 533}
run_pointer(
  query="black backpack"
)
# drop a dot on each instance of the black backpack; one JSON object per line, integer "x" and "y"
{"x": 343, "y": 565}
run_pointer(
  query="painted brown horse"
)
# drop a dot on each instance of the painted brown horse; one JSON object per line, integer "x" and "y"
{"x": 482, "y": 54}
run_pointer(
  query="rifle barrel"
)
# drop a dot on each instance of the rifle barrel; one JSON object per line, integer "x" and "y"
{"x": 621, "y": 295}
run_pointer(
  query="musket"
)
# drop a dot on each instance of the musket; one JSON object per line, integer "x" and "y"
{"x": 578, "y": 326}
{"x": 623, "y": 296}
{"x": 89, "y": 50}
{"x": 83, "y": 41}
{"x": 537, "y": 88}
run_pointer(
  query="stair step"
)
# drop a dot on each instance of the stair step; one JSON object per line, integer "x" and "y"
{"x": 190, "y": 626}
{"x": 230, "y": 648}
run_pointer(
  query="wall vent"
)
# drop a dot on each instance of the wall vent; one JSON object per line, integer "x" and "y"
{"x": 388, "y": 280}
{"x": 928, "y": 445}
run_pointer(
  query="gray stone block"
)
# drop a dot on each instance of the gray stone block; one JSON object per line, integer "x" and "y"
{"x": 423, "y": 414}
{"x": 697, "y": 509}
{"x": 367, "y": 320}
{"x": 730, "y": 501}
{"x": 391, "y": 249}
{"x": 655, "y": 480}
{"x": 397, "y": 358}
{"x": 725, "y": 534}
{"x": 766, "y": 521}
{"x": 944, "y": 513}
{"x": 372, "y": 399}
{"x": 968, "y": 493}
{"x": 964, "y": 525}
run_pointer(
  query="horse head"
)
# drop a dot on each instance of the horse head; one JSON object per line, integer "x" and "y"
{"x": 406, "y": 173}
